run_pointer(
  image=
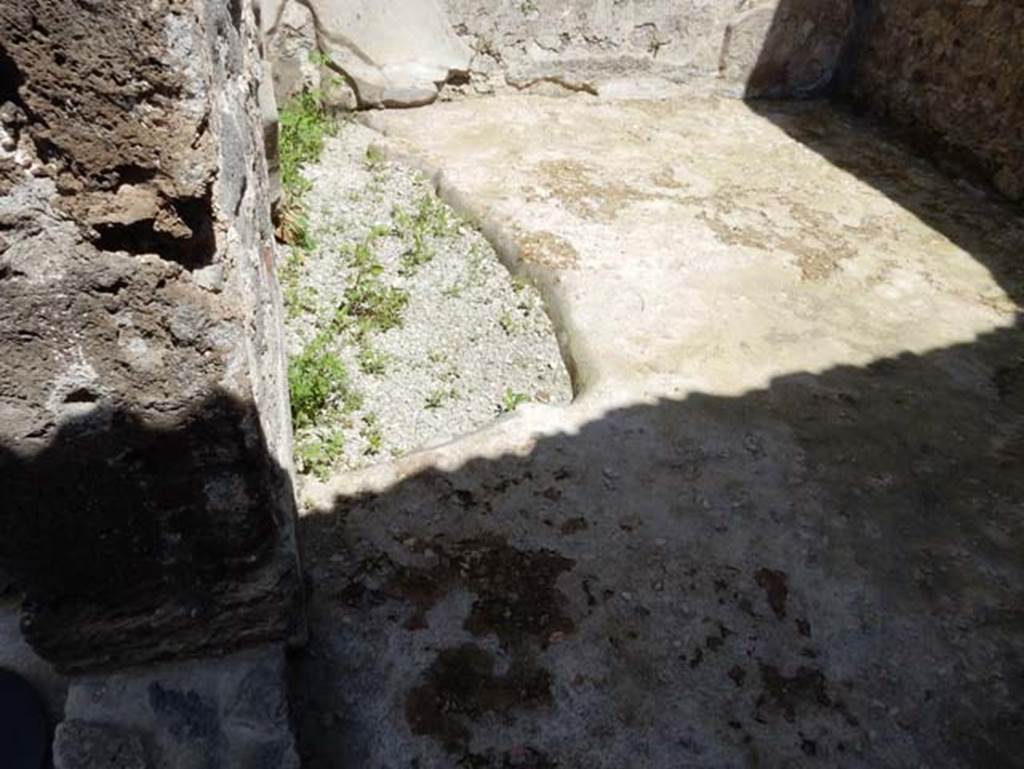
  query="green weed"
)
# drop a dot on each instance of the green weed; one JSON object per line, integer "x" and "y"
{"x": 374, "y": 158}
{"x": 417, "y": 254}
{"x": 508, "y": 323}
{"x": 454, "y": 291}
{"x": 317, "y": 455}
{"x": 304, "y": 125}
{"x": 369, "y": 304}
{"x": 371, "y": 361}
{"x": 298, "y": 299}
{"x": 429, "y": 220}
{"x": 362, "y": 257}
{"x": 436, "y": 398}
{"x": 512, "y": 400}
{"x": 317, "y": 380}
{"x": 372, "y": 435}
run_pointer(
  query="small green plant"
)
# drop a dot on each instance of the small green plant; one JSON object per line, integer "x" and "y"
{"x": 317, "y": 380}
{"x": 298, "y": 299}
{"x": 319, "y": 58}
{"x": 428, "y": 221}
{"x": 374, "y": 158}
{"x": 372, "y": 435}
{"x": 371, "y": 361}
{"x": 508, "y": 323}
{"x": 417, "y": 254}
{"x": 436, "y": 398}
{"x": 512, "y": 400}
{"x": 433, "y": 215}
{"x": 454, "y": 291}
{"x": 371, "y": 305}
{"x": 320, "y": 393}
{"x": 368, "y": 303}
{"x": 304, "y": 125}
{"x": 318, "y": 454}
{"x": 379, "y": 231}
{"x": 363, "y": 259}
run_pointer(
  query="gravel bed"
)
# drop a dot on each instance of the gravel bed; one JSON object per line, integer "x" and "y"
{"x": 473, "y": 343}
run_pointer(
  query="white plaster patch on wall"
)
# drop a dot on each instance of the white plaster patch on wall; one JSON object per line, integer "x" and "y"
{"x": 182, "y": 54}
{"x": 76, "y": 391}
{"x": 11, "y": 149}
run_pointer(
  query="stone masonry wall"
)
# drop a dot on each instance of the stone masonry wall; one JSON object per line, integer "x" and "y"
{"x": 953, "y": 73}
{"x": 949, "y": 71}
{"x": 583, "y": 43}
{"x": 145, "y": 486}
{"x": 403, "y": 52}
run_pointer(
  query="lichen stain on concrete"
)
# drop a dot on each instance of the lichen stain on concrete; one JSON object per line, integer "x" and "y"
{"x": 806, "y": 688}
{"x": 776, "y": 588}
{"x": 584, "y": 192}
{"x": 516, "y": 598}
{"x": 462, "y": 685}
{"x": 546, "y": 249}
{"x": 516, "y": 601}
{"x": 818, "y": 252}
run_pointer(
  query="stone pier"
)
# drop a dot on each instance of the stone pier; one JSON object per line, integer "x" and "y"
{"x": 146, "y": 494}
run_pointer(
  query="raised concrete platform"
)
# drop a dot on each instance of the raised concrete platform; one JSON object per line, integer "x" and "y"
{"x": 783, "y": 522}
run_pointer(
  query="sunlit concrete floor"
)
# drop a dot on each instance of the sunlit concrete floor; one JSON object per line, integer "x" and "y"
{"x": 783, "y": 522}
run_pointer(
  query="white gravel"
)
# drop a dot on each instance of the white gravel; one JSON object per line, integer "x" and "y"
{"x": 472, "y": 334}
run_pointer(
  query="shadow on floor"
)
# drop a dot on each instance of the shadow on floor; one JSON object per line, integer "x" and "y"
{"x": 830, "y": 568}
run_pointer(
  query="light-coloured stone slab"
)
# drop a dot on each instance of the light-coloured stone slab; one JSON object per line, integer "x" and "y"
{"x": 780, "y": 47}
{"x": 694, "y": 245}
{"x": 396, "y": 52}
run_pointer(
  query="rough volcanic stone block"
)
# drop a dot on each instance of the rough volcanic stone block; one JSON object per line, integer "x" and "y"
{"x": 759, "y": 47}
{"x": 951, "y": 73}
{"x": 146, "y": 501}
{"x": 397, "y": 53}
{"x": 589, "y": 41}
{"x": 290, "y": 43}
{"x": 84, "y": 745}
{"x": 202, "y": 714}
{"x": 786, "y": 49}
